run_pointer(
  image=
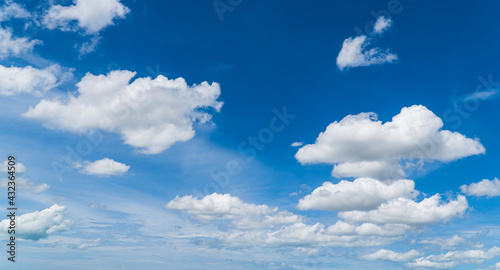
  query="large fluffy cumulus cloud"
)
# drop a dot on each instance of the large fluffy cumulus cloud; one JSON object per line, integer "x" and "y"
{"x": 362, "y": 146}
{"x": 150, "y": 114}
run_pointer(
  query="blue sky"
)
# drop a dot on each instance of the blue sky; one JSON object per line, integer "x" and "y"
{"x": 252, "y": 135}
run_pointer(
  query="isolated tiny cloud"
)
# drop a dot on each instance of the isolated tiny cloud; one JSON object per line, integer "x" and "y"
{"x": 149, "y": 114}
{"x": 382, "y": 24}
{"x": 355, "y": 54}
{"x": 488, "y": 188}
{"x": 16, "y": 80}
{"x": 429, "y": 211}
{"x": 89, "y": 15}
{"x": 362, "y": 146}
{"x": 361, "y": 194}
{"x": 481, "y": 95}
{"x": 103, "y": 168}
{"x": 40, "y": 224}
{"x": 389, "y": 255}
{"x": 12, "y": 46}
{"x": 297, "y": 144}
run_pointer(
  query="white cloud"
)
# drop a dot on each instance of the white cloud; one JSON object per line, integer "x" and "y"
{"x": 12, "y": 46}
{"x": 368, "y": 229}
{"x": 382, "y": 24}
{"x": 261, "y": 225}
{"x": 355, "y": 54}
{"x": 19, "y": 167}
{"x": 406, "y": 211}
{"x": 481, "y": 95}
{"x": 488, "y": 188}
{"x": 447, "y": 243}
{"x": 300, "y": 234}
{"x": 389, "y": 255}
{"x": 88, "y": 46}
{"x": 361, "y": 194}
{"x": 364, "y": 147}
{"x": 26, "y": 186}
{"x": 12, "y": 10}
{"x": 226, "y": 207}
{"x": 149, "y": 114}
{"x": 22, "y": 183}
{"x": 297, "y": 144}
{"x": 497, "y": 265}
{"x": 89, "y": 15}
{"x": 39, "y": 224}
{"x": 453, "y": 258}
{"x": 16, "y": 80}
{"x": 103, "y": 168}
{"x": 423, "y": 263}
{"x": 89, "y": 244}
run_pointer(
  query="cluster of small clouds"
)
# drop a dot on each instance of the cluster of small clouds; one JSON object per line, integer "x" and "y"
{"x": 373, "y": 210}
{"x": 22, "y": 182}
{"x": 355, "y": 52}
{"x": 85, "y": 16}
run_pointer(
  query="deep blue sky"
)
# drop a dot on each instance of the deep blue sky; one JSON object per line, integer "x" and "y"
{"x": 265, "y": 55}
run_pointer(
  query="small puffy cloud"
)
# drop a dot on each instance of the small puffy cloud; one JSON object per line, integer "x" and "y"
{"x": 389, "y": 255}
{"x": 362, "y": 146}
{"x": 149, "y": 114}
{"x": 297, "y": 144}
{"x": 382, "y": 24}
{"x": 226, "y": 207}
{"x": 12, "y": 46}
{"x": 453, "y": 258}
{"x": 40, "y": 224}
{"x": 497, "y": 265}
{"x": 12, "y": 10}
{"x": 361, "y": 194}
{"x": 481, "y": 95}
{"x": 354, "y": 53}
{"x": 16, "y": 80}
{"x": 488, "y": 188}
{"x": 430, "y": 210}
{"x": 103, "y": 168}
{"x": 90, "y": 15}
